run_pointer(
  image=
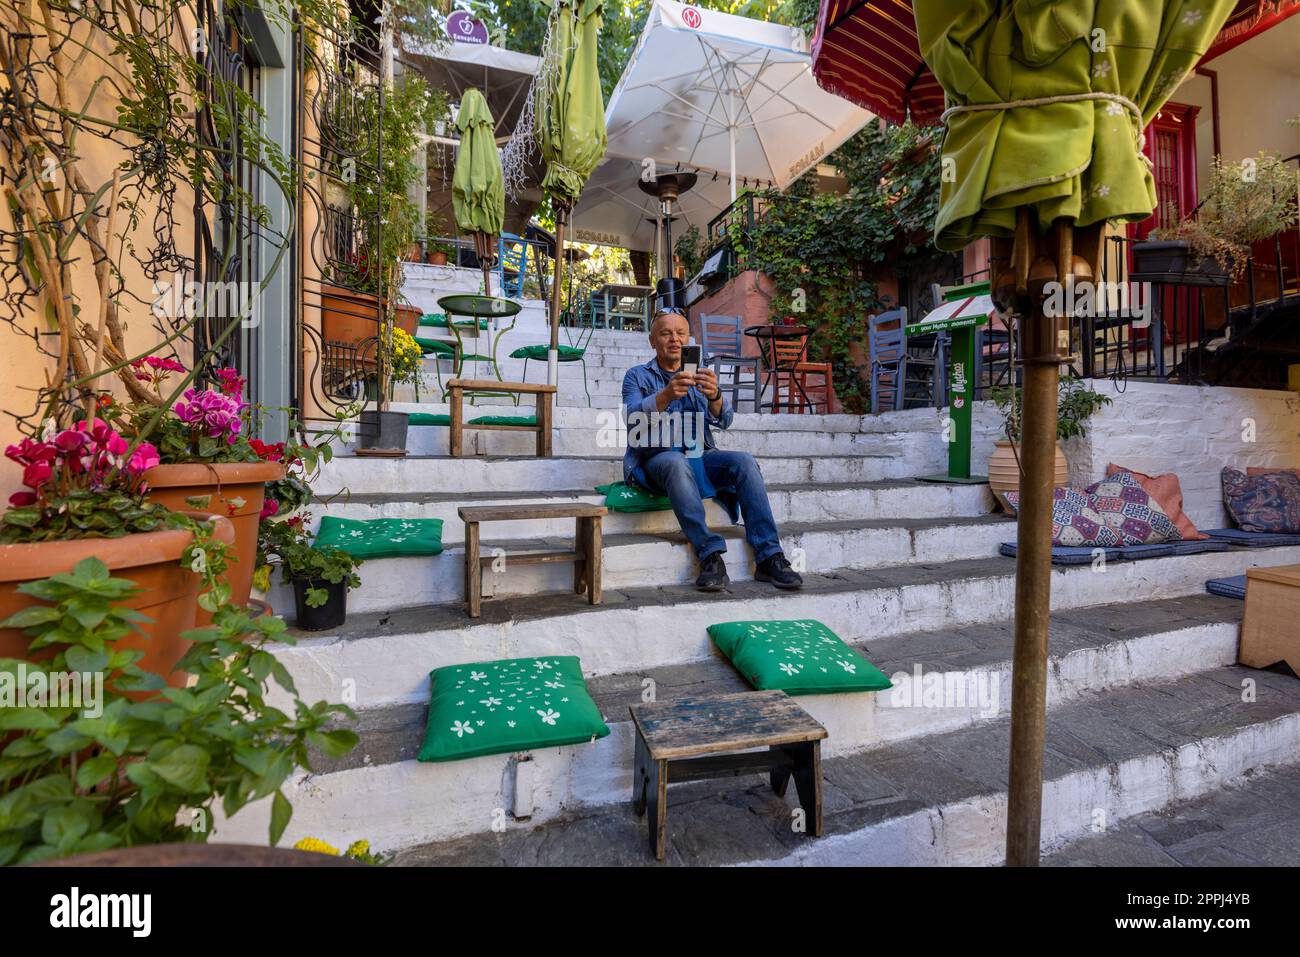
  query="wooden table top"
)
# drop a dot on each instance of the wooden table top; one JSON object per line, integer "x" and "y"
{"x": 1281, "y": 574}
{"x": 497, "y": 513}
{"x": 709, "y": 724}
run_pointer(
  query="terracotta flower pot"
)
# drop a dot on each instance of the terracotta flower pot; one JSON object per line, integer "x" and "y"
{"x": 408, "y": 318}
{"x": 348, "y": 317}
{"x": 168, "y": 591}
{"x": 437, "y": 259}
{"x": 236, "y": 491}
{"x": 1004, "y": 472}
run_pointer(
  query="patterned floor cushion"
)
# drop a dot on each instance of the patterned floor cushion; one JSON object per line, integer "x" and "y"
{"x": 1113, "y": 512}
{"x": 516, "y": 704}
{"x": 797, "y": 657}
{"x": 381, "y": 537}
{"x": 622, "y": 497}
{"x": 1262, "y": 503}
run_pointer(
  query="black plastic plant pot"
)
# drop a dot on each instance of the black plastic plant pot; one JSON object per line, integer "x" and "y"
{"x": 1171, "y": 261}
{"x": 383, "y": 430}
{"x": 326, "y": 616}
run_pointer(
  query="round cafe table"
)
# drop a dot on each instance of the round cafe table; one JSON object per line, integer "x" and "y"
{"x": 767, "y": 336}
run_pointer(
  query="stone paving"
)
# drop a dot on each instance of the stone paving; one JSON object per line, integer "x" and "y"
{"x": 1253, "y": 823}
{"x": 740, "y": 820}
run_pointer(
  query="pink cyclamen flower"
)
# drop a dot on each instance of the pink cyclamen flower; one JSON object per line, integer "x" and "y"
{"x": 216, "y": 414}
{"x": 37, "y": 474}
{"x": 143, "y": 458}
{"x": 230, "y": 381}
{"x": 269, "y": 507}
{"x": 22, "y": 499}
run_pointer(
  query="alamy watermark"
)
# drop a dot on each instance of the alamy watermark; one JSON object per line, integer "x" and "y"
{"x": 653, "y": 430}
{"x": 37, "y": 688}
{"x": 219, "y": 300}
{"x": 978, "y": 691}
{"x": 1084, "y": 299}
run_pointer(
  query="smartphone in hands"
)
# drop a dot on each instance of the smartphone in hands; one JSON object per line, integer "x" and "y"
{"x": 691, "y": 359}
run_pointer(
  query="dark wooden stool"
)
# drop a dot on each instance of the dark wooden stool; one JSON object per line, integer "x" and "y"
{"x": 585, "y": 555}
{"x": 686, "y": 740}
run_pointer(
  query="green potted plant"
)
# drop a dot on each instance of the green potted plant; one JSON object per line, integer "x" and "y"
{"x": 86, "y": 497}
{"x": 438, "y": 252}
{"x": 1075, "y": 404}
{"x": 134, "y": 763}
{"x": 1245, "y": 202}
{"x": 320, "y": 577}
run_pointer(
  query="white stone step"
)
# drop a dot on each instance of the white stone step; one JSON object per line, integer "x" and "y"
{"x": 892, "y": 504}
{"x": 417, "y": 474}
{"x": 641, "y": 560}
{"x": 373, "y": 792}
{"x": 388, "y": 655}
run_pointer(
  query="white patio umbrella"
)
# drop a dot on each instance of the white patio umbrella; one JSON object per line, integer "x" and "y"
{"x": 727, "y": 94}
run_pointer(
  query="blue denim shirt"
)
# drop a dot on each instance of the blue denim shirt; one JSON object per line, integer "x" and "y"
{"x": 640, "y": 386}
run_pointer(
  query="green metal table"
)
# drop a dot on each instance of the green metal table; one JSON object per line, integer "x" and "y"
{"x": 475, "y": 307}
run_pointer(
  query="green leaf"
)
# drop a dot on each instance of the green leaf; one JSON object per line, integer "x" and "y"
{"x": 26, "y": 719}
{"x": 334, "y": 744}
{"x": 65, "y": 825}
{"x": 28, "y": 617}
{"x": 281, "y": 811}
{"x": 95, "y": 770}
{"x": 185, "y": 767}
{"x": 81, "y": 659}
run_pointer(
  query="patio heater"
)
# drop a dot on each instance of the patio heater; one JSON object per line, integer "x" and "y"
{"x": 667, "y": 187}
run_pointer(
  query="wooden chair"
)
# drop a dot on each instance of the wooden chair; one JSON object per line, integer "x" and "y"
{"x": 721, "y": 346}
{"x": 792, "y": 371}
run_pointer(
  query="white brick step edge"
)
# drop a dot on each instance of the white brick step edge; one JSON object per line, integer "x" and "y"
{"x": 531, "y": 474}
{"x": 409, "y": 803}
{"x": 618, "y": 638}
{"x": 790, "y": 503}
{"x": 391, "y": 583}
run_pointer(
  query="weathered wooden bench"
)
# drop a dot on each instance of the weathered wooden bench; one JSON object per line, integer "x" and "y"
{"x": 585, "y": 554}
{"x": 541, "y": 423}
{"x": 689, "y": 739}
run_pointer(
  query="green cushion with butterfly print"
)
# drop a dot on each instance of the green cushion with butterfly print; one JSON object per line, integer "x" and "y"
{"x": 626, "y": 497}
{"x": 381, "y": 537}
{"x": 516, "y": 704}
{"x": 797, "y": 657}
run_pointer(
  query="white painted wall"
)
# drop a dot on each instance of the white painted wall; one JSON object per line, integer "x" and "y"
{"x": 1188, "y": 430}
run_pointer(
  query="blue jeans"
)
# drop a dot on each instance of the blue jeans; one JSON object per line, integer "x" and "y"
{"x": 670, "y": 474}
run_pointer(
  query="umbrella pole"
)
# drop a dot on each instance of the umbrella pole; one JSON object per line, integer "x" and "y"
{"x": 1034, "y": 545}
{"x": 552, "y": 355}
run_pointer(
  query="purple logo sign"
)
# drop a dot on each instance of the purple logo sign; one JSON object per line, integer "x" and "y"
{"x": 464, "y": 28}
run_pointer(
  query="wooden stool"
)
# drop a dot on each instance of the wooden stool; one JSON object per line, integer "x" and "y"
{"x": 585, "y": 555}
{"x": 685, "y": 740}
{"x": 545, "y": 397}
{"x": 1268, "y": 626}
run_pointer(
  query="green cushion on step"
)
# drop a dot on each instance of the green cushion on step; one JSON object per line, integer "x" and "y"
{"x": 435, "y": 345}
{"x": 504, "y": 420}
{"x": 474, "y": 357}
{"x": 381, "y": 537}
{"x": 797, "y": 657}
{"x": 516, "y": 704}
{"x": 563, "y": 353}
{"x": 622, "y": 497}
{"x": 439, "y": 321}
{"x": 429, "y": 418}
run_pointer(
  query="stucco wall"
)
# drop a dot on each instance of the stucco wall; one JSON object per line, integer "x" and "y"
{"x": 1188, "y": 430}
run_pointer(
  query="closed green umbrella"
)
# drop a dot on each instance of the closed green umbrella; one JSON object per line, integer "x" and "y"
{"x": 1090, "y": 78}
{"x": 570, "y": 123}
{"x": 478, "y": 195}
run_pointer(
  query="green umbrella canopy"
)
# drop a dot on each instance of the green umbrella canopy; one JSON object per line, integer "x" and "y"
{"x": 570, "y": 112}
{"x": 1079, "y": 159}
{"x": 478, "y": 195}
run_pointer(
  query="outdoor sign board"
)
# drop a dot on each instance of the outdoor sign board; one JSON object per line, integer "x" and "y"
{"x": 463, "y": 27}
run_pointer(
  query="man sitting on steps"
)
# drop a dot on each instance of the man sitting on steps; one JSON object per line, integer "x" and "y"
{"x": 667, "y": 408}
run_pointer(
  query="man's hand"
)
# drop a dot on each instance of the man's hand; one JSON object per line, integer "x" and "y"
{"x": 707, "y": 382}
{"x": 678, "y": 386}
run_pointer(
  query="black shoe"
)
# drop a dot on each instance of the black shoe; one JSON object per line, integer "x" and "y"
{"x": 713, "y": 574}
{"x": 777, "y": 571}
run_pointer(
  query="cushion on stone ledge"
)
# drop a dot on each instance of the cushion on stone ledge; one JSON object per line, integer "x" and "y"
{"x": 1262, "y": 503}
{"x": 797, "y": 657}
{"x": 622, "y": 497}
{"x": 1168, "y": 491}
{"x": 381, "y": 537}
{"x": 563, "y": 353}
{"x": 435, "y": 347}
{"x": 504, "y": 420}
{"x": 429, "y": 418}
{"x": 516, "y": 704}
{"x": 1114, "y": 512}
